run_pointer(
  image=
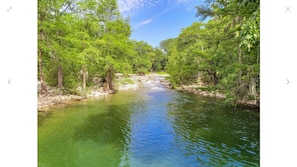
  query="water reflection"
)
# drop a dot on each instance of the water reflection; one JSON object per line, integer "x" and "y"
{"x": 109, "y": 131}
{"x": 173, "y": 129}
{"x": 152, "y": 127}
{"x": 152, "y": 135}
{"x": 104, "y": 127}
{"x": 213, "y": 134}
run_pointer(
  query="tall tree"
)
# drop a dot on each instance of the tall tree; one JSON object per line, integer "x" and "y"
{"x": 81, "y": 39}
{"x": 223, "y": 52}
{"x": 241, "y": 26}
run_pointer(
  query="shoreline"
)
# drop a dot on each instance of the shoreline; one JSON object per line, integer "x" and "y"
{"x": 132, "y": 82}
{"x": 193, "y": 89}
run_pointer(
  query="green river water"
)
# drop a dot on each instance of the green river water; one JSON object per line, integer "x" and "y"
{"x": 149, "y": 128}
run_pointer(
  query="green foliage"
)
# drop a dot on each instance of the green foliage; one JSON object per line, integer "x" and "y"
{"x": 146, "y": 58}
{"x": 222, "y": 52}
{"x": 86, "y": 38}
{"x": 162, "y": 73}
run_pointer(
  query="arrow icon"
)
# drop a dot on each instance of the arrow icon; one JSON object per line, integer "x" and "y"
{"x": 288, "y": 81}
{"x": 9, "y": 81}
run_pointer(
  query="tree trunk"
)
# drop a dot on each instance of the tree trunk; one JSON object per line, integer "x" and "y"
{"x": 215, "y": 78}
{"x": 239, "y": 89}
{"x": 240, "y": 62}
{"x": 108, "y": 78}
{"x": 60, "y": 77}
{"x": 253, "y": 90}
{"x": 84, "y": 77}
{"x": 41, "y": 74}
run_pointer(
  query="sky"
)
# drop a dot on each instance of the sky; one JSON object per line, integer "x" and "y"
{"x": 155, "y": 20}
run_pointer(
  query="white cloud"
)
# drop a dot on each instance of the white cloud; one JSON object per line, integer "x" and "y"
{"x": 129, "y": 7}
{"x": 148, "y": 21}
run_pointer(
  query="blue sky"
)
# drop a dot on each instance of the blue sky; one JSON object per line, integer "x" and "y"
{"x": 156, "y": 20}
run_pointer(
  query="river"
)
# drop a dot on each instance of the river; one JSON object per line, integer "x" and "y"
{"x": 149, "y": 128}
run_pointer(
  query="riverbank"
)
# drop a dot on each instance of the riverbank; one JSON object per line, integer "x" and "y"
{"x": 200, "y": 89}
{"x": 132, "y": 82}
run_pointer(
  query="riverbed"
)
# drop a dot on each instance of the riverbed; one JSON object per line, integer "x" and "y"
{"x": 149, "y": 127}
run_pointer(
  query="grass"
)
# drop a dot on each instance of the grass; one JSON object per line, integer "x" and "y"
{"x": 162, "y": 72}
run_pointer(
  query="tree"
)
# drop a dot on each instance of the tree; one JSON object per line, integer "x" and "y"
{"x": 241, "y": 28}
{"x": 144, "y": 57}
{"x": 79, "y": 40}
{"x": 54, "y": 22}
{"x": 223, "y": 52}
{"x": 159, "y": 61}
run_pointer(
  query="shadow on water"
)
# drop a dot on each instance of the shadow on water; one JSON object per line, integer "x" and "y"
{"x": 107, "y": 127}
{"x": 107, "y": 132}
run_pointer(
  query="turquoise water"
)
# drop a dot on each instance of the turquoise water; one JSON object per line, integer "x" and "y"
{"x": 148, "y": 128}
